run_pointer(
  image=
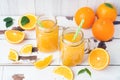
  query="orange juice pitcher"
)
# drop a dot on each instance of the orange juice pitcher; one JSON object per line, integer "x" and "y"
{"x": 72, "y": 51}
{"x": 47, "y": 34}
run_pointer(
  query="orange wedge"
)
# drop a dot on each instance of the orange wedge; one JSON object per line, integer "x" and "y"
{"x": 40, "y": 64}
{"x": 13, "y": 55}
{"x": 98, "y": 59}
{"x": 31, "y": 24}
{"x": 27, "y": 49}
{"x": 64, "y": 71}
{"x": 14, "y": 36}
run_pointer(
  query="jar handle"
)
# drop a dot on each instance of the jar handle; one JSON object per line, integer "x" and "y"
{"x": 87, "y": 46}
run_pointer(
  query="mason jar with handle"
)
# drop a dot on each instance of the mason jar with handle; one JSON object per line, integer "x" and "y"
{"x": 72, "y": 51}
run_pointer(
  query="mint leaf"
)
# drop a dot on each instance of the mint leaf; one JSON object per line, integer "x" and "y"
{"x": 9, "y": 21}
{"x": 88, "y": 72}
{"x": 109, "y": 5}
{"x": 8, "y": 24}
{"x": 81, "y": 71}
{"x": 24, "y": 20}
{"x": 85, "y": 70}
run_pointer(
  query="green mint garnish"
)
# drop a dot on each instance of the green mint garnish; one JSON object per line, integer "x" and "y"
{"x": 24, "y": 20}
{"x": 84, "y": 70}
{"x": 88, "y": 71}
{"x": 9, "y": 21}
{"x": 109, "y": 5}
{"x": 81, "y": 71}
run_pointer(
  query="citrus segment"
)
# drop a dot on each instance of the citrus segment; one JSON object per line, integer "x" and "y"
{"x": 27, "y": 49}
{"x": 40, "y": 64}
{"x": 13, "y": 55}
{"x": 98, "y": 59}
{"x": 14, "y": 36}
{"x": 31, "y": 24}
{"x": 64, "y": 71}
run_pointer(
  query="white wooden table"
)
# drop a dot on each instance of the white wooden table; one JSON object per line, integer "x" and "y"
{"x": 7, "y": 69}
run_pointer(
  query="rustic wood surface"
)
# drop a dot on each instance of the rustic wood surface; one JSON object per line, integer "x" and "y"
{"x": 7, "y": 68}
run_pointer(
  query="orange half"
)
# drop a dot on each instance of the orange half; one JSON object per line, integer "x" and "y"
{"x": 31, "y": 25}
{"x": 98, "y": 59}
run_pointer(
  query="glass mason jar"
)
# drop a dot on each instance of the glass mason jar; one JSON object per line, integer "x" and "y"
{"x": 47, "y": 34}
{"x": 72, "y": 51}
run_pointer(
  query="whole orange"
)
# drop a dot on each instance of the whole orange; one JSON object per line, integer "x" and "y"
{"x": 87, "y": 14}
{"x": 103, "y": 29}
{"x": 107, "y": 10}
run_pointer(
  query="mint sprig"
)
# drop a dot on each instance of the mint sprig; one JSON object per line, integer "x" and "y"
{"x": 84, "y": 70}
{"x": 9, "y": 21}
{"x": 24, "y": 20}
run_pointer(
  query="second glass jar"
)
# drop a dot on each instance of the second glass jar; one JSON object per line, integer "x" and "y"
{"x": 47, "y": 34}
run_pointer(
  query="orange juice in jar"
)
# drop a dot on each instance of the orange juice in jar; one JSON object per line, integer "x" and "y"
{"x": 47, "y": 34}
{"x": 72, "y": 51}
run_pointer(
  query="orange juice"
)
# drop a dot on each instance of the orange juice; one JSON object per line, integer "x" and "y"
{"x": 72, "y": 52}
{"x": 47, "y": 35}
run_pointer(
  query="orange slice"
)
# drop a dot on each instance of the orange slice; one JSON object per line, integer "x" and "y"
{"x": 98, "y": 59}
{"x": 27, "y": 49}
{"x": 32, "y": 21}
{"x": 14, "y": 36}
{"x": 64, "y": 71}
{"x": 40, "y": 64}
{"x": 13, "y": 55}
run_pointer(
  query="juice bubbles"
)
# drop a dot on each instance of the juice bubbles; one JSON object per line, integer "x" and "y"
{"x": 72, "y": 52}
{"x": 47, "y": 34}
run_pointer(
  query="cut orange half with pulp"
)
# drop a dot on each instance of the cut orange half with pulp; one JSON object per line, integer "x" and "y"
{"x": 98, "y": 59}
{"x": 31, "y": 24}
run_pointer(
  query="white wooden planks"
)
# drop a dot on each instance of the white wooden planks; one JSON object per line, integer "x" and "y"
{"x": 31, "y": 73}
{"x": 54, "y": 7}
{"x": 112, "y": 46}
{"x": 1, "y": 72}
{"x": 7, "y": 68}
{"x": 48, "y": 7}
{"x": 110, "y": 73}
{"x": 69, "y": 8}
{"x": 16, "y": 7}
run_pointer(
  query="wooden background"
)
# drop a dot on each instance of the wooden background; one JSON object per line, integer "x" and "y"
{"x": 55, "y": 7}
{"x": 60, "y": 8}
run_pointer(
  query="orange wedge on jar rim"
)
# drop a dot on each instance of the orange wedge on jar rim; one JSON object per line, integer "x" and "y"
{"x": 40, "y": 64}
{"x": 27, "y": 21}
{"x": 14, "y": 36}
{"x": 98, "y": 59}
{"x": 64, "y": 71}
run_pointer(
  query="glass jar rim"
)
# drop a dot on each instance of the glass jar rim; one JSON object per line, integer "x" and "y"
{"x": 72, "y": 30}
{"x": 44, "y": 17}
